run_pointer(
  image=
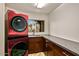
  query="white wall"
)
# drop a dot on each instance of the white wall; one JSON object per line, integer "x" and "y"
{"x": 36, "y": 16}
{"x": 64, "y": 22}
{"x": 2, "y": 31}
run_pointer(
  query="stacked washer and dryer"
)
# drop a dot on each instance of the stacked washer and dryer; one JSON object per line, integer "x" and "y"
{"x": 17, "y": 33}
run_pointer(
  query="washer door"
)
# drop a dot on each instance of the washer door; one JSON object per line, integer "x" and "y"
{"x": 19, "y": 23}
{"x": 19, "y": 49}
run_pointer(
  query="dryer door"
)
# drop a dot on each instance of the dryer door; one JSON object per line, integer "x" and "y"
{"x": 19, "y": 49}
{"x": 19, "y": 23}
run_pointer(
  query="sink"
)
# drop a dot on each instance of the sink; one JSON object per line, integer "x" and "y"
{"x": 34, "y": 36}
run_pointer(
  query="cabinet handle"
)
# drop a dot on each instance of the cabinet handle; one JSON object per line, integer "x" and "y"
{"x": 65, "y": 53}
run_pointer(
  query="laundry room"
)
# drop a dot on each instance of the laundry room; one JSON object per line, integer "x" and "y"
{"x": 39, "y": 29}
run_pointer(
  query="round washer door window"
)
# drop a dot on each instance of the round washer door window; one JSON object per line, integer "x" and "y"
{"x": 18, "y": 23}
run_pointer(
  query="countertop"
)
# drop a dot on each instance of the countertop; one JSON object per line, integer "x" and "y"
{"x": 70, "y": 45}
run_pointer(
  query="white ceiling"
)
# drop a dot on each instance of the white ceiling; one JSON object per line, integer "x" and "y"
{"x": 29, "y": 7}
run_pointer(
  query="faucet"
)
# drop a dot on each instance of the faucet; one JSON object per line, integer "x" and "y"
{"x": 33, "y": 32}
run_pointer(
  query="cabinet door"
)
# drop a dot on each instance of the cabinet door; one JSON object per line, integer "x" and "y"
{"x": 58, "y": 51}
{"x": 55, "y": 50}
{"x": 36, "y": 44}
{"x": 50, "y": 49}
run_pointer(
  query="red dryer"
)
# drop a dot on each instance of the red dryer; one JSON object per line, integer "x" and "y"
{"x": 17, "y": 24}
{"x": 17, "y": 33}
{"x": 18, "y": 46}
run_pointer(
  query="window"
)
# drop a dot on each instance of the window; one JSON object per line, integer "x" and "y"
{"x": 35, "y": 25}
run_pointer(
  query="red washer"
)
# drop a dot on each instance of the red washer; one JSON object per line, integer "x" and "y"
{"x": 17, "y": 24}
{"x": 18, "y": 46}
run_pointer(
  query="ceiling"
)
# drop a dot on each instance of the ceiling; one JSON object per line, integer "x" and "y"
{"x": 29, "y": 7}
